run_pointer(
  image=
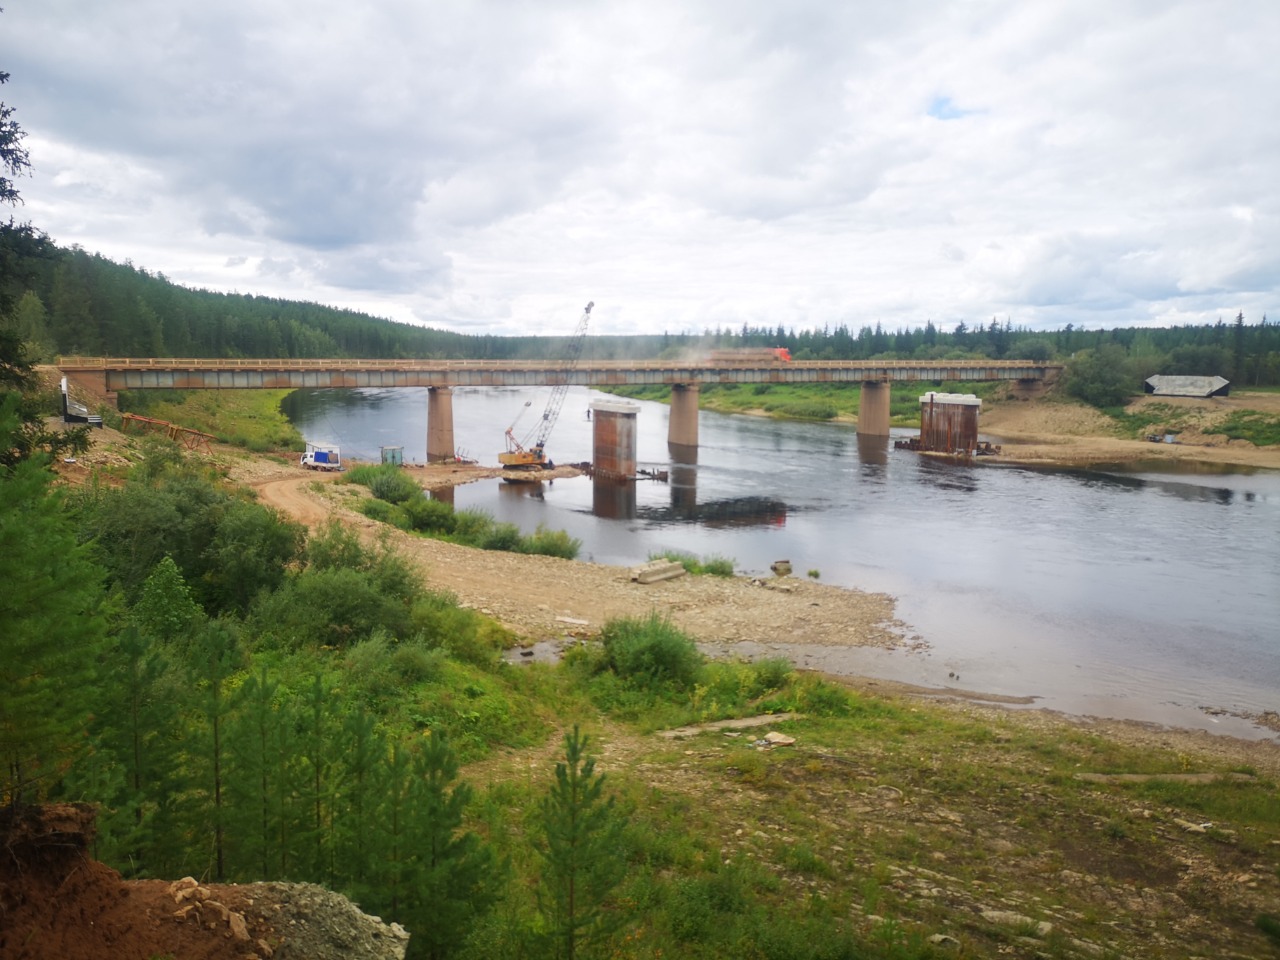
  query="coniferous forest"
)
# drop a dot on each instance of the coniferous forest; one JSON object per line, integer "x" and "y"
{"x": 67, "y": 301}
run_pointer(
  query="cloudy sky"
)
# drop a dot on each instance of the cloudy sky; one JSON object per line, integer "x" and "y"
{"x": 491, "y": 165}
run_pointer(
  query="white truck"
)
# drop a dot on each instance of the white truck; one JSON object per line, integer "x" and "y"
{"x": 321, "y": 456}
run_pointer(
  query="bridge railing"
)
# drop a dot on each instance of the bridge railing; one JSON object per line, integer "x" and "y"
{"x": 254, "y": 363}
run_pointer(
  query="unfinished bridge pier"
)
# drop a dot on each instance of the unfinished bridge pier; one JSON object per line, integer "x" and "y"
{"x": 440, "y": 445}
{"x": 873, "y": 408}
{"x": 682, "y": 428}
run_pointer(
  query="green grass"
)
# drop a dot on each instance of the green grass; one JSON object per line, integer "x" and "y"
{"x": 1155, "y": 418}
{"x": 811, "y": 401}
{"x": 712, "y": 566}
{"x": 1260, "y": 429}
{"x": 244, "y": 418}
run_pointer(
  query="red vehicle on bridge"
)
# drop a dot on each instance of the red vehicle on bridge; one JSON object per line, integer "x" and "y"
{"x": 751, "y": 355}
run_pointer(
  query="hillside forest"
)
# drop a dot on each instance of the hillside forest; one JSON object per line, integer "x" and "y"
{"x": 68, "y": 301}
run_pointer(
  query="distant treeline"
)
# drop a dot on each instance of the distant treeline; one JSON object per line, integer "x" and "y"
{"x": 67, "y": 301}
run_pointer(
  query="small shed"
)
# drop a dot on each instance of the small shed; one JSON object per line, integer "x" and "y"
{"x": 393, "y": 455}
{"x": 949, "y": 422}
{"x": 1163, "y": 386}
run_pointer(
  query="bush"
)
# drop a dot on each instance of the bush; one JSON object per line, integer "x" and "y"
{"x": 1101, "y": 377}
{"x": 385, "y": 512}
{"x": 718, "y": 566}
{"x": 470, "y": 526}
{"x": 430, "y": 516}
{"x": 439, "y": 623}
{"x": 414, "y": 663}
{"x": 501, "y": 536}
{"x": 651, "y": 653}
{"x": 394, "y": 486}
{"x": 551, "y": 543}
{"x": 334, "y": 608}
{"x": 385, "y": 481}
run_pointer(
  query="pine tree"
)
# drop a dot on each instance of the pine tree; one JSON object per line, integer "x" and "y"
{"x": 213, "y": 660}
{"x": 258, "y": 748}
{"x": 137, "y": 719}
{"x": 581, "y": 851}
{"x": 458, "y": 876}
{"x": 50, "y": 589}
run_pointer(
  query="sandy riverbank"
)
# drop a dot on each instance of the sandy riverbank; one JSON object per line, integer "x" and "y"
{"x": 1063, "y": 433}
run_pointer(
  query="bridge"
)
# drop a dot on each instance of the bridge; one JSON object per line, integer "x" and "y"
{"x": 105, "y": 376}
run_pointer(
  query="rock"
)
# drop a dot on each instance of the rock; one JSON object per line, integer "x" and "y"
{"x": 1007, "y": 918}
{"x": 942, "y": 940}
{"x": 239, "y": 929}
{"x": 216, "y": 910}
{"x": 775, "y": 739}
{"x": 657, "y": 570}
{"x": 781, "y": 568}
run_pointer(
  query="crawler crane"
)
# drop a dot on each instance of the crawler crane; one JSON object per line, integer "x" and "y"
{"x": 518, "y": 456}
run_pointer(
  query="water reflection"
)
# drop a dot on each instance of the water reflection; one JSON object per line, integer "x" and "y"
{"x": 683, "y": 480}
{"x": 947, "y": 474}
{"x": 721, "y": 514}
{"x": 1191, "y": 492}
{"x": 873, "y": 451}
{"x": 613, "y": 499}
{"x": 534, "y": 490}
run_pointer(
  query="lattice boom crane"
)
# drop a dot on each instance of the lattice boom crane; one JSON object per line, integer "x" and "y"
{"x": 518, "y": 456}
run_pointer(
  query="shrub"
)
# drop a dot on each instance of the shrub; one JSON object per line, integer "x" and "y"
{"x": 551, "y": 543}
{"x": 414, "y": 663}
{"x": 501, "y": 536}
{"x": 393, "y": 485}
{"x": 651, "y": 653}
{"x": 385, "y": 512}
{"x": 430, "y": 516}
{"x": 334, "y": 608}
{"x": 718, "y": 566}
{"x": 771, "y": 674}
{"x": 439, "y": 623}
{"x": 470, "y": 526}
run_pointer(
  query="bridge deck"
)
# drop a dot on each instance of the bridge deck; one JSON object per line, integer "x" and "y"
{"x": 134, "y": 373}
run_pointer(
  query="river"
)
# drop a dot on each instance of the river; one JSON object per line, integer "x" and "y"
{"x": 1125, "y": 593}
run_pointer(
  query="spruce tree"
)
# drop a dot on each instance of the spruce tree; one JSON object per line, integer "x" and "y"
{"x": 457, "y": 876}
{"x": 51, "y": 606}
{"x": 581, "y": 851}
{"x": 214, "y": 657}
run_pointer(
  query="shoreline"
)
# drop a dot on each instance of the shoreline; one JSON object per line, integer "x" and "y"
{"x": 730, "y": 616}
{"x": 497, "y": 584}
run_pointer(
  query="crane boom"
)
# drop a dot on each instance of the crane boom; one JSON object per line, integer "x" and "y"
{"x": 517, "y": 456}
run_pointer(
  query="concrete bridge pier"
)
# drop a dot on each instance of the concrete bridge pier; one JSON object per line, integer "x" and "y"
{"x": 682, "y": 428}
{"x": 440, "y": 424}
{"x": 873, "y": 408}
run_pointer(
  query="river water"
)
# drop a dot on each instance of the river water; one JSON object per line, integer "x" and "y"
{"x": 1124, "y": 593}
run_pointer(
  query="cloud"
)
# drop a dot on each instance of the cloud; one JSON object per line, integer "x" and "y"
{"x": 484, "y": 165}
